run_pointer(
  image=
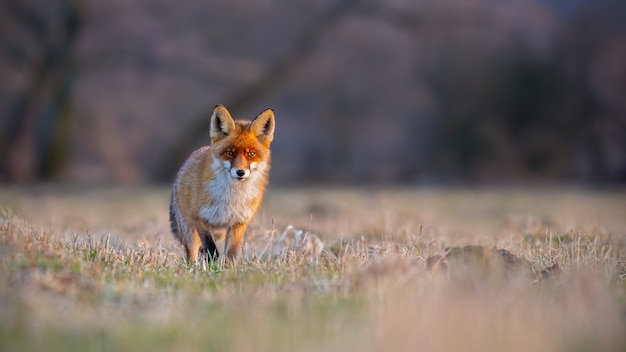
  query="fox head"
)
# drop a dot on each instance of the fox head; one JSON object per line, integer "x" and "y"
{"x": 241, "y": 147}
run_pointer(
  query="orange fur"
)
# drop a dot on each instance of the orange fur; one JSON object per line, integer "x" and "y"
{"x": 220, "y": 187}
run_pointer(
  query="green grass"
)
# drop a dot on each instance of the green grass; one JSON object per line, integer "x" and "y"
{"x": 99, "y": 271}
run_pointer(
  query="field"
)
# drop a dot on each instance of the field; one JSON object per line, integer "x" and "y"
{"x": 98, "y": 270}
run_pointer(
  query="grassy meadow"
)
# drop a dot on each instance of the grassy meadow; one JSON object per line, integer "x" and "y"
{"x": 98, "y": 270}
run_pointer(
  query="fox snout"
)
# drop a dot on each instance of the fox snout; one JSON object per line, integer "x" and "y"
{"x": 239, "y": 172}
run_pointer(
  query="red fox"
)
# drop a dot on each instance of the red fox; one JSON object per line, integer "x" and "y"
{"x": 219, "y": 188}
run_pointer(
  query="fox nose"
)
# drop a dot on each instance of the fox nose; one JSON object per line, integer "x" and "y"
{"x": 241, "y": 173}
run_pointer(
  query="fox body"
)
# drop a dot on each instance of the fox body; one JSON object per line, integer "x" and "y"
{"x": 220, "y": 187}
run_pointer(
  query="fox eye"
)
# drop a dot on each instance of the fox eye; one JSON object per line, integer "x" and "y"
{"x": 229, "y": 153}
{"x": 251, "y": 154}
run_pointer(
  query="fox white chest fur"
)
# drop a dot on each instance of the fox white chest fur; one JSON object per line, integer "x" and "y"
{"x": 231, "y": 199}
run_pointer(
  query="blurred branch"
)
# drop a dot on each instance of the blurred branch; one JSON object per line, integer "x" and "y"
{"x": 277, "y": 72}
{"x": 217, "y": 70}
{"x": 398, "y": 18}
{"x": 30, "y": 21}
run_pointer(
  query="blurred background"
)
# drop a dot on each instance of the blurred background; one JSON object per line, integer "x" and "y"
{"x": 364, "y": 91}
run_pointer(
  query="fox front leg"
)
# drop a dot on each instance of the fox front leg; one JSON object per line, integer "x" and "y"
{"x": 234, "y": 238}
{"x": 193, "y": 246}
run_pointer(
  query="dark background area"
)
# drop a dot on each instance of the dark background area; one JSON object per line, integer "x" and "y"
{"x": 364, "y": 91}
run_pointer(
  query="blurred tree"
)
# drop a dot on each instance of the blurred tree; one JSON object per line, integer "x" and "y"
{"x": 37, "y": 40}
{"x": 592, "y": 57}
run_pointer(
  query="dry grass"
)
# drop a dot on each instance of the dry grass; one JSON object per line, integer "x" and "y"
{"x": 99, "y": 270}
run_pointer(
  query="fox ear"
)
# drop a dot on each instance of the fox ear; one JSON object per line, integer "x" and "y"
{"x": 222, "y": 124}
{"x": 263, "y": 126}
